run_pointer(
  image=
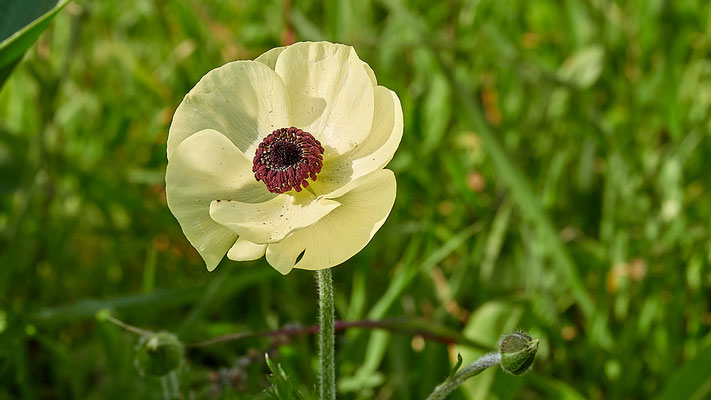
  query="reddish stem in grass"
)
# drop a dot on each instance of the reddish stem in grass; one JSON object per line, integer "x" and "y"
{"x": 396, "y": 325}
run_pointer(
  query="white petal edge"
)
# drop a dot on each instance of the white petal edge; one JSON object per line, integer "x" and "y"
{"x": 204, "y": 167}
{"x": 342, "y": 233}
{"x": 371, "y": 74}
{"x": 244, "y": 250}
{"x": 274, "y": 219}
{"x": 269, "y": 57}
{"x": 374, "y": 153}
{"x": 330, "y": 93}
{"x": 245, "y": 100}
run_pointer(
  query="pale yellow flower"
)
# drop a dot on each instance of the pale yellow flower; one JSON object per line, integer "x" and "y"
{"x": 247, "y": 141}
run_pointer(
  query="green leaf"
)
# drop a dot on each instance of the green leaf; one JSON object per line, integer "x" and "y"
{"x": 436, "y": 111}
{"x": 21, "y": 23}
{"x": 457, "y": 365}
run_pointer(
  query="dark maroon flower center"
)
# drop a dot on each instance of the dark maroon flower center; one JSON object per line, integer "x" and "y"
{"x": 286, "y": 158}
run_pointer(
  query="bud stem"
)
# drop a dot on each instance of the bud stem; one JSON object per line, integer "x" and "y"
{"x": 171, "y": 390}
{"x": 451, "y": 384}
{"x": 326, "y": 339}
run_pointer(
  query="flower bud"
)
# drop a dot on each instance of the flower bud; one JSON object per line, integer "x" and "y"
{"x": 518, "y": 350}
{"x": 159, "y": 353}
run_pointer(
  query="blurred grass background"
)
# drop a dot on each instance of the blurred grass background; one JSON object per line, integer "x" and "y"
{"x": 553, "y": 176}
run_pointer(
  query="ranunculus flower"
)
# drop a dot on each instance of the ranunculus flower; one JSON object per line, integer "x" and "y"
{"x": 284, "y": 156}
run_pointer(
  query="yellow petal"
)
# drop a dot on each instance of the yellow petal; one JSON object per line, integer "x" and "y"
{"x": 330, "y": 93}
{"x": 244, "y": 250}
{"x": 272, "y": 220}
{"x": 343, "y": 232}
{"x": 244, "y": 100}
{"x": 204, "y": 167}
{"x": 374, "y": 153}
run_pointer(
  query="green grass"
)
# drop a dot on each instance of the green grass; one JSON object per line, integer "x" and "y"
{"x": 553, "y": 176}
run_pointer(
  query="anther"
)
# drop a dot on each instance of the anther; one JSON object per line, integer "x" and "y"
{"x": 286, "y": 159}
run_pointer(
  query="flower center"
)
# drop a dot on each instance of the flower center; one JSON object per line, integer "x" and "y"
{"x": 286, "y": 158}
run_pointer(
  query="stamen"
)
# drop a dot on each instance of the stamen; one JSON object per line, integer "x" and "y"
{"x": 286, "y": 159}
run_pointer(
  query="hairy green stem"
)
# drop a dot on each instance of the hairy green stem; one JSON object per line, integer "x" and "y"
{"x": 171, "y": 389}
{"x": 326, "y": 341}
{"x": 448, "y": 386}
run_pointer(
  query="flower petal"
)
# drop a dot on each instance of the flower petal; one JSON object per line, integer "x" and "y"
{"x": 245, "y": 100}
{"x": 274, "y": 219}
{"x": 269, "y": 57}
{"x": 193, "y": 180}
{"x": 342, "y": 233}
{"x": 244, "y": 250}
{"x": 330, "y": 93}
{"x": 374, "y": 153}
{"x": 370, "y": 73}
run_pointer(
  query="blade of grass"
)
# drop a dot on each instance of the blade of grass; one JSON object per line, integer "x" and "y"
{"x": 405, "y": 274}
{"x": 21, "y": 27}
{"x": 158, "y": 299}
{"x": 692, "y": 380}
{"x": 402, "y": 280}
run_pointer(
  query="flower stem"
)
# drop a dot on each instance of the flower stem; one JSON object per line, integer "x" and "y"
{"x": 450, "y": 384}
{"x": 171, "y": 390}
{"x": 326, "y": 342}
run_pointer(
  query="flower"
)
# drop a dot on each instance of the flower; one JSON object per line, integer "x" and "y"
{"x": 284, "y": 156}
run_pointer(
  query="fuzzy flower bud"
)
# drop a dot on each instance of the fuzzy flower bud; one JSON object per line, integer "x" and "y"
{"x": 518, "y": 350}
{"x": 159, "y": 353}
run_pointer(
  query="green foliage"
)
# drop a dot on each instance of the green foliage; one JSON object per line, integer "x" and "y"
{"x": 553, "y": 176}
{"x": 21, "y": 23}
{"x": 282, "y": 387}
